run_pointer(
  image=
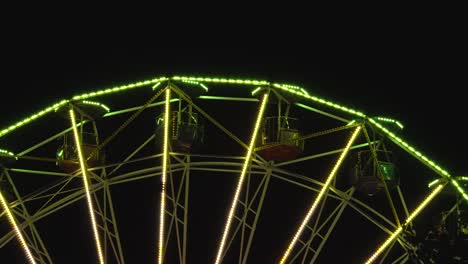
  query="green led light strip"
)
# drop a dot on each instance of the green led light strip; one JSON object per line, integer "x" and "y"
{"x": 421, "y": 157}
{"x": 219, "y": 80}
{"x": 103, "y": 106}
{"x": 78, "y": 97}
{"x": 119, "y": 88}
{"x": 459, "y": 188}
{"x": 6, "y": 152}
{"x": 156, "y": 85}
{"x": 389, "y": 120}
{"x": 411, "y": 149}
{"x": 256, "y": 90}
{"x": 291, "y": 87}
{"x": 238, "y": 99}
{"x": 32, "y": 117}
{"x": 286, "y": 87}
{"x": 196, "y": 83}
{"x": 432, "y": 183}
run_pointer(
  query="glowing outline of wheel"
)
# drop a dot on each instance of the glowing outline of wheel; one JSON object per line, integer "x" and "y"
{"x": 298, "y": 91}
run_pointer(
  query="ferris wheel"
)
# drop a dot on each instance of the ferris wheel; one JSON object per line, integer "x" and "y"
{"x": 213, "y": 170}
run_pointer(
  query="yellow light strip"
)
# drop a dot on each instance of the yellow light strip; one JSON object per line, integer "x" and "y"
{"x": 86, "y": 184}
{"x": 241, "y": 179}
{"x": 384, "y": 245}
{"x": 408, "y": 220}
{"x": 17, "y": 230}
{"x": 164, "y": 174}
{"x": 320, "y": 195}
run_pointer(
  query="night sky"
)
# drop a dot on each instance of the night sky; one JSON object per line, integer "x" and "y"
{"x": 420, "y": 85}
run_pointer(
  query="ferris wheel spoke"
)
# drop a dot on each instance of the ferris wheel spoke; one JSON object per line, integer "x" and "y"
{"x": 131, "y": 155}
{"x": 207, "y": 116}
{"x": 17, "y": 229}
{"x": 381, "y": 177}
{"x": 320, "y": 195}
{"x": 241, "y": 180}
{"x": 299, "y": 134}
{"x": 398, "y": 231}
{"x": 37, "y": 242}
{"x": 108, "y": 224}
{"x": 84, "y": 173}
{"x": 165, "y": 162}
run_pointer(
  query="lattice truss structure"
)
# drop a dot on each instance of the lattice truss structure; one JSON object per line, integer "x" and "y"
{"x": 236, "y": 171}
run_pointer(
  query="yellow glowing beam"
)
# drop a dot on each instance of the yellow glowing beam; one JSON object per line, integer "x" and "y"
{"x": 241, "y": 179}
{"x": 320, "y": 195}
{"x": 164, "y": 174}
{"x": 86, "y": 184}
{"x": 408, "y": 220}
{"x": 384, "y": 245}
{"x": 17, "y": 230}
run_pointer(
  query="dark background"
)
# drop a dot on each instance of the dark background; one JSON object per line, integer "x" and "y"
{"x": 420, "y": 82}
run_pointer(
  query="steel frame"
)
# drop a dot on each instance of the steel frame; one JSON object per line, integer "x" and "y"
{"x": 179, "y": 165}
